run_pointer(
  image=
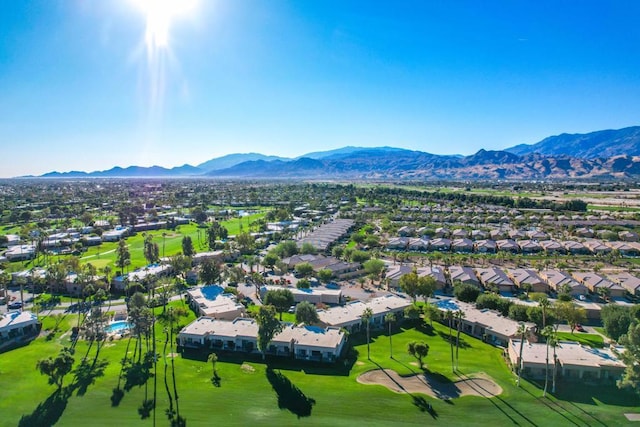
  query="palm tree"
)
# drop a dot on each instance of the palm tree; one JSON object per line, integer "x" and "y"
{"x": 449, "y": 315}
{"x": 544, "y": 305}
{"x": 213, "y": 359}
{"x": 164, "y": 236}
{"x": 459, "y": 314}
{"x": 553, "y": 342}
{"x": 547, "y": 332}
{"x": 390, "y": 318}
{"x": 522, "y": 330}
{"x": 366, "y": 316}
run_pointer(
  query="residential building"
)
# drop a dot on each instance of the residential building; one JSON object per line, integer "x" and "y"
{"x": 558, "y": 280}
{"x": 485, "y": 246}
{"x": 488, "y": 325}
{"x": 310, "y": 343}
{"x": 529, "y": 246}
{"x": 493, "y": 276}
{"x": 17, "y": 327}
{"x": 523, "y": 277}
{"x": 594, "y": 282}
{"x": 626, "y": 280}
{"x": 462, "y": 245}
{"x": 211, "y": 301}
{"x": 574, "y": 361}
{"x": 312, "y": 295}
{"x": 20, "y": 252}
{"x": 463, "y": 275}
{"x": 349, "y": 316}
{"x": 508, "y": 245}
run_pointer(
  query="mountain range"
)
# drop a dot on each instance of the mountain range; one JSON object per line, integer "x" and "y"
{"x": 606, "y": 154}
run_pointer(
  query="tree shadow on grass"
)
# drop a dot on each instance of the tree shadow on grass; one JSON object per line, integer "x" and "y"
{"x": 290, "y": 397}
{"x": 216, "y": 380}
{"x": 445, "y": 336}
{"x": 136, "y": 374}
{"x": 424, "y": 406}
{"x": 145, "y": 408}
{"x": 116, "y": 396}
{"x": 86, "y": 374}
{"x": 48, "y": 412}
{"x": 341, "y": 367}
{"x": 425, "y": 329}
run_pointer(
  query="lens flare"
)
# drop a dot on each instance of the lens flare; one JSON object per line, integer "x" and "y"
{"x": 159, "y": 16}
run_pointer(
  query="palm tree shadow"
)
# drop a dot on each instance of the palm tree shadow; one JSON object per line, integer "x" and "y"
{"x": 424, "y": 406}
{"x": 86, "y": 375}
{"x": 48, "y": 412}
{"x": 290, "y": 397}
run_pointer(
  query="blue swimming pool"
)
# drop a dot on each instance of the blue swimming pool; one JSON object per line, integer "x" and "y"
{"x": 447, "y": 304}
{"x": 211, "y": 292}
{"x": 118, "y": 326}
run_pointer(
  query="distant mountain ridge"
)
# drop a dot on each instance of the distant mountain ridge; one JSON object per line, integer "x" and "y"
{"x": 558, "y": 157}
{"x": 604, "y": 143}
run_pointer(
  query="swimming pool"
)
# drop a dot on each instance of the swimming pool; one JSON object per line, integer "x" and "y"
{"x": 118, "y": 326}
{"x": 447, "y": 304}
{"x": 211, "y": 292}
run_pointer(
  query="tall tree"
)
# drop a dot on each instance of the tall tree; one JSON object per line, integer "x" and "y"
{"x": 306, "y": 313}
{"x": 268, "y": 327}
{"x": 209, "y": 271}
{"x": 548, "y": 334}
{"x": 459, "y": 314}
{"x": 213, "y": 359}
{"x": 409, "y": 284}
{"x": 419, "y": 350}
{"x": 631, "y": 357}
{"x": 187, "y": 246}
{"x": 431, "y": 312}
{"x": 449, "y": 315}
{"x": 123, "y": 256}
{"x": 544, "y": 304}
{"x": 390, "y": 318}
{"x": 280, "y": 299}
{"x": 366, "y": 316}
{"x": 374, "y": 268}
{"x": 56, "y": 368}
{"x": 151, "y": 250}
{"x": 522, "y": 330}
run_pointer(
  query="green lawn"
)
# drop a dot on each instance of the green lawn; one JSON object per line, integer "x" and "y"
{"x": 592, "y": 340}
{"x": 250, "y": 395}
{"x": 170, "y": 244}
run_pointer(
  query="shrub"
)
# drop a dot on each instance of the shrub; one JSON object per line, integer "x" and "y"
{"x": 465, "y": 292}
{"x": 518, "y": 312}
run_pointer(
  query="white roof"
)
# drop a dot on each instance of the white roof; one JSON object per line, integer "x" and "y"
{"x": 568, "y": 353}
{"x": 209, "y": 325}
{"x": 17, "y": 319}
{"x": 352, "y": 312}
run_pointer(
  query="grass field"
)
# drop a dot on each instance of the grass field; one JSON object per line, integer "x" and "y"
{"x": 294, "y": 393}
{"x": 169, "y": 244}
{"x": 592, "y": 340}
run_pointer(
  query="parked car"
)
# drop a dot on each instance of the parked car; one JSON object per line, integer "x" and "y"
{"x": 579, "y": 328}
{"x": 14, "y": 305}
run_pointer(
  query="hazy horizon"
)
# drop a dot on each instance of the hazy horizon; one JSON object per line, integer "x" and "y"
{"x": 92, "y": 85}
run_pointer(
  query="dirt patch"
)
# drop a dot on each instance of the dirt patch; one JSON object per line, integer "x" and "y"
{"x": 247, "y": 368}
{"x": 479, "y": 385}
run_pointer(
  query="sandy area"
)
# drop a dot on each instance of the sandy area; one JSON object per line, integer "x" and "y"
{"x": 479, "y": 385}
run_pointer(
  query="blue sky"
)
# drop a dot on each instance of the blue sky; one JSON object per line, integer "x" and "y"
{"x": 79, "y": 92}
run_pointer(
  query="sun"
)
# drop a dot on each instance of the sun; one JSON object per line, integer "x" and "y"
{"x": 159, "y": 15}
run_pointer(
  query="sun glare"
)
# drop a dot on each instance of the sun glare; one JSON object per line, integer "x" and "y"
{"x": 159, "y": 15}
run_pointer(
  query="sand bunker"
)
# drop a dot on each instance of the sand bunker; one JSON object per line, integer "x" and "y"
{"x": 479, "y": 385}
